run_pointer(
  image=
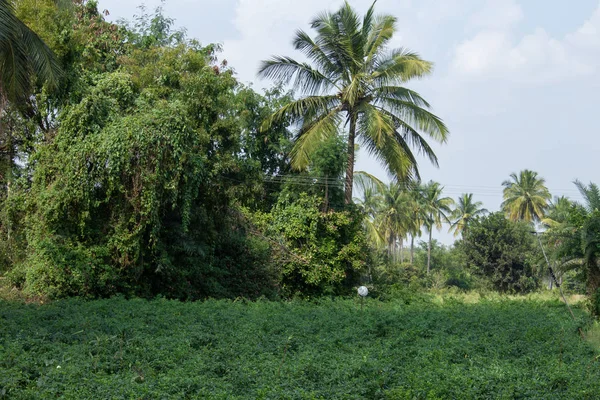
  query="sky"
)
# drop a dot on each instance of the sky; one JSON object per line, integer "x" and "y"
{"x": 516, "y": 82}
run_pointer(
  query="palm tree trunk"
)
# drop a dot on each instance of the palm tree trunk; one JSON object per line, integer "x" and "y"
{"x": 350, "y": 166}
{"x": 326, "y": 194}
{"x": 402, "y": 250}
{"x": 412, "y": 249}
{"x": 429, "y": 252}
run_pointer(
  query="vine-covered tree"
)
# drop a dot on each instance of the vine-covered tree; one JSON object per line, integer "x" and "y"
{"x": 136, "y": 188}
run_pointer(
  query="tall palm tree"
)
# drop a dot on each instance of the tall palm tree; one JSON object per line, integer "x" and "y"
{"x": 525, "y": 196}
{"x": 416, "y": 217}
{"x": 590, "y": 240}
{"x": 590, "y": 194}
{"x": 576, "y": 241}
{"x": 464, "y": 212}
{"x": 436, "y": 210}
{"x": 370, "y": 200}
{"x": 355, "y": 81}
{"x": 559, "y": 232}
{"x": 23, "y": 55}
{"x": 394, "y": 218}
{"x": 558, "y": 212}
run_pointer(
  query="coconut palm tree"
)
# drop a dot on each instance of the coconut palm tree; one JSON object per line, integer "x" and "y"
{"x": 23, "y": 55}
{"x": 394, "y": 218}
{"x": 416, "y": 217}
{"x": 525, "y": 197}
{"x": 354, "y": 80}
{"x": 590, "y": 194}
{"x": 464, "y": 212}
{"x": 558, "y": 212}
{"x": 436, "y": 210}
{"x": 574, "y": 236}
{"x": 370, "y": 189}
{"x": 590, "y": 241}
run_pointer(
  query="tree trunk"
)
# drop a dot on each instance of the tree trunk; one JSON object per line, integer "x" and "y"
{"x": 412, "y": 249}
{"x": 429, "y": 251}
{"x": 402, "y": 250}
{"x": 350, "y": 166}
{"x": 593, "y": 288}
{"x": 326, "y": 193}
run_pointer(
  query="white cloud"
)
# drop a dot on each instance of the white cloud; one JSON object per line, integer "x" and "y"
{"x": 536, "y": 58}
{"x": 267, "y": 28}
{"x": 497, "y": 15}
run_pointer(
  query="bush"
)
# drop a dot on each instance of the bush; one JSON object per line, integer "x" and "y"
{"x": 320, "y": 253}
{"x": 502, "y": 251}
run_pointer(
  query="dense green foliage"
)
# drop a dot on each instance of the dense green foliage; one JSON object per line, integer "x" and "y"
{"x": 573, "y": 237}
{"x": 135, "y": 181}
{"x": 325, "y": 252}
{"x": 124, "y": 197}
{"x": 151, "y": 170}
{"x": 294, "y": 350}
{"x": 504, "y": 251}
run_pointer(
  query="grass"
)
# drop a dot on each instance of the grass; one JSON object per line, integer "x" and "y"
{"x": 437, "y": 348}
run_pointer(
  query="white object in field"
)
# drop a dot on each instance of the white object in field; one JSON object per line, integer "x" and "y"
{"x": 363, "y": 291}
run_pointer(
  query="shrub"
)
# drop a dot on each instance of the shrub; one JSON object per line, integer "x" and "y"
{"x": 502, "y": 251}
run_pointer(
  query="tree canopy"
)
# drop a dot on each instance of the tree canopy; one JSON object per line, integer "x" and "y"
{"x": 526, "y": 196}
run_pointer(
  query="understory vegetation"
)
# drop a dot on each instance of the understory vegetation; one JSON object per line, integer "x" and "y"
{"x": 415, "y": 346}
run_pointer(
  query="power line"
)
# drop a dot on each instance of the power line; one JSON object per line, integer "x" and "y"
{"x": 449, "y": 189}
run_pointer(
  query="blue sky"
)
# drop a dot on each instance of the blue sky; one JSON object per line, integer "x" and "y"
{"x": 517, "y": 82}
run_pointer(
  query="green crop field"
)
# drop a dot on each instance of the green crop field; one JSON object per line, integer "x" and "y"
{"x": 136, "y": 349}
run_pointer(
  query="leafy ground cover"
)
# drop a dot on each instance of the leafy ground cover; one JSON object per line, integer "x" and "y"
{"x": 428, "y": 349}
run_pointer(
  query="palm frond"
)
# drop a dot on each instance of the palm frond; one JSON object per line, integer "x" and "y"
{"x": 591, "y": 195}
{"x": 313, "y": 51}
{"x": 22, "y": 54}
{"x": 365, "y": 181}
{"x": 328, "y": 39}
{"x": 367, "y": 24}
{"x": 379, "y": 35}
{"x": 301, "y": 76}
{"x": 379, "y": 136}
{"x": 412, "y": 137}
{"x": 312, "y": 134}
{"x": 400, "y": 93}
{"x": 299, "y": 110}
{"x": 350, "y": 38}
{"x": 413, "y": 115}
{"x": 399, "y": 66}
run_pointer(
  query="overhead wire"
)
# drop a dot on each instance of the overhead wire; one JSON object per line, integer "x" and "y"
{"x": 452, "y": 189}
